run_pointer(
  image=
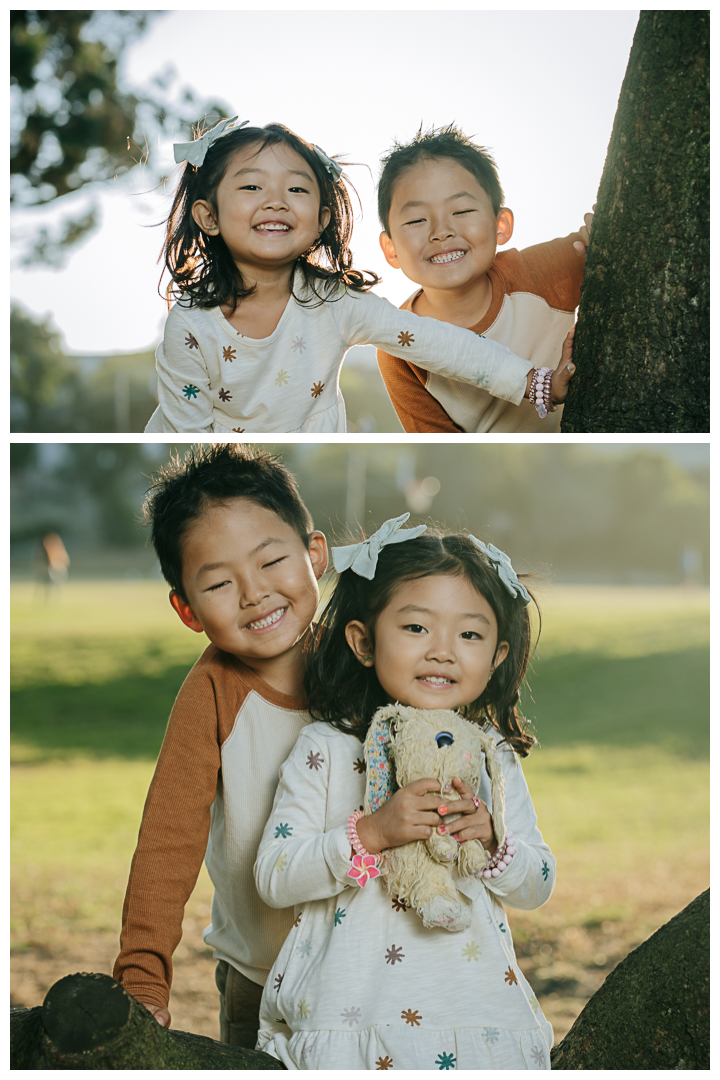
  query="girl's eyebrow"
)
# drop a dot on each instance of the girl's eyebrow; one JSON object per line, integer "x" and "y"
{"x": 292, "y": 172}
{"x": 430, "y": 611}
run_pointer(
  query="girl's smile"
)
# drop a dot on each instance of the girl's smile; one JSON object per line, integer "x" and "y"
{"x": 435, "y": 643}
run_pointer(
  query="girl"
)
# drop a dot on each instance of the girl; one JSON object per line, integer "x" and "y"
{"x": 268, "y": 302}
{"x": 433, "y": 622}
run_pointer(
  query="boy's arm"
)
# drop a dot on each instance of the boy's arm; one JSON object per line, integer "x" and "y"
{"x": 183, "y": 379}
{"x": 416, "y": 408}
{"x": 171, "y": 845}
{"x": 298, "y": 861}
{"x": 441, "y": 347}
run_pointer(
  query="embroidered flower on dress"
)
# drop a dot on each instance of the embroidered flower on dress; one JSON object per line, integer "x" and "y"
{"x": 281, "y": 378}
{"x": 303, "y": 1009}
{"x": 411, "y": 1017}
{"x": 317, "y": 389}
{"x": 283, "y": 830}
{"x": 191, "y": 341}
{"x": 471, "y": 951}
{"x": 315, "y": 761}
{"x": 446, "y": 1061}
{"x": 304, "y": 947}
{"x": 350, "y": 1016}
{"x": 383, "y": 1063}
{"x": 394, "y": 955}
{"x": 281, "y": 863}
{"x": 339, "y": 916}
{"x": 537, "y": 1055}
{"x": 545, "y": 870}
{"x": 224, "y": 395}
{"x": 278, "y": 984}
{"x": 399, "y": 905}
{"x": 359, "y": 765}
{"x": 299, "y": 344}
{"x": 229, "y": 353}
{"x": 406, "y": 338}
{"x": 190, "y": 391}
{"x": 510, "y": 977}
{"x": 490, "y": 1034}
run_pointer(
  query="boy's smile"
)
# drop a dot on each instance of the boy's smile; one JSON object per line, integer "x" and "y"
{"x": 444, "y": 233}
{"x": 250, "y": 582}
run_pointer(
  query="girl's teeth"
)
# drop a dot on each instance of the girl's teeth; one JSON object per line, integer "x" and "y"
{"x": 450, "y": 257}
{"x": 262, "y": 623}
{"x": 274, "y": 228}
{"x": 438, "y": 682}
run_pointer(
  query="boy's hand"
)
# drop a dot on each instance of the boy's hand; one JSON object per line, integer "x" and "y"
{"x": 581, "y": 247}
{"x": 409, "y": 814}
{"x": 476, "y": 823}
{"x": 564, "y": 372}
{"x": 161, "y": 1015}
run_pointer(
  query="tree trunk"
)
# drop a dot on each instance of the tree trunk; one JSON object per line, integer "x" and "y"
{"x": 642, "y": 345}
{"x": 653, "y": 1010}
{"x": 90, "y": 1022}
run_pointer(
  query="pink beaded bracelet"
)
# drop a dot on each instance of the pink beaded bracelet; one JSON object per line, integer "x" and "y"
{"x": 365, "y": 866}
{"x": 539, "y": 392}
{"x": 502, "y": 857}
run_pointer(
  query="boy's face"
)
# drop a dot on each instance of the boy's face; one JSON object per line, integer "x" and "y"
{"x": 443, "y": 229}
{"x": 250, "y": 582}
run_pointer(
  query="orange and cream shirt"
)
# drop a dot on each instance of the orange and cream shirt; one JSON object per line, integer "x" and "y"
{"x": 534, "y": 295}
{"x": 211, "y": 795}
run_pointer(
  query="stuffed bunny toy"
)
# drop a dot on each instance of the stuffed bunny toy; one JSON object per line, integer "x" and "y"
{"x": 406, "y": 744}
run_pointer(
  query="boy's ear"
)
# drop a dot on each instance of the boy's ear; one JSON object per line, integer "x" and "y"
{"x": 505, "y": 225}
{"x": 318, "y": 552}
{"x": 389, "y": 250}
{"x": 204, "y": 216}
{"x": 185, "y": 612}
{"x": 357, "y": 638}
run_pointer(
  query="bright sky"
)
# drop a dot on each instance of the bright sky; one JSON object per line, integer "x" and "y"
{"x": 539, "y": 88}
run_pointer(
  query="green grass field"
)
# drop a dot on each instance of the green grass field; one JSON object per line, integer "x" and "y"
{"x": 619, "y": 698}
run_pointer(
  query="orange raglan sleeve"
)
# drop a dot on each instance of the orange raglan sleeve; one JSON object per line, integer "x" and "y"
{"x": 557, "y": 271}
{"x": 172, "y": 841}
{"x": 417, "y": 410}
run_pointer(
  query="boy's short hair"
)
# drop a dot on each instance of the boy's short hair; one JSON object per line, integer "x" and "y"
{"x": 214, "y": 474}
{"x": 445, "y": 142}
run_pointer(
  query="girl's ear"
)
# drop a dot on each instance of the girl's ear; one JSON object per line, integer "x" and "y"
{"x": 358, "y": 639}
{"x": 500, "y": 654}
{"x": 389, "y": 250}
{"x": 318, "y": 552}
{"x": 185, "y": 612}
{"x": 204, "y": 216}
{"x": 505, "y": 225}
{"x": 324, "y": 218}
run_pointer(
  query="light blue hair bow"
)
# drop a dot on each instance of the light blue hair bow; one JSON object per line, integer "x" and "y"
{"x": 501, "y": 563}
{"x": 362, "y": 558}
{"x": 195, "y": 151}
{"x": 332, "y": 166}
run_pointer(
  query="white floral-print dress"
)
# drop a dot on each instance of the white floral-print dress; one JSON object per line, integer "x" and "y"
{"x": 360, "y": 983}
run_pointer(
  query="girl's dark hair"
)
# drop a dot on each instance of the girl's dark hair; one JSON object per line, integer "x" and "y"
{"x": 211, "y": 476}
{"x": 201, "y": 266}
{"x": 345, "y": 694}
{"x": 435, "y": 144}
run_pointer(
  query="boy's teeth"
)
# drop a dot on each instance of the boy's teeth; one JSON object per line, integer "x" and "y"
{"x": 451, "y": 256}
{"x": 262, "y": 623}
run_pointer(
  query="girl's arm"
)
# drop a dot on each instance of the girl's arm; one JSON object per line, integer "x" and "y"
{"x": 304, "y": 853}
{"x": 448, "y": 350}
{"x": 529, "y": 880}
{"x": 183, "y": 379}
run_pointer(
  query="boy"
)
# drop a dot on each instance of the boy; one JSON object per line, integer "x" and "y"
{"x": 237, "y": 546}
{"x": 441, "y": 207}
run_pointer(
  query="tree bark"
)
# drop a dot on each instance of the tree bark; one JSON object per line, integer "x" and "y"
{"x": 90, "y": 1022}
{"x": 653, "y": 1010}
{"x": 642, "y": 345}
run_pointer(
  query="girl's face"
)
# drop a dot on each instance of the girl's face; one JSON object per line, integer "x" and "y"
{"x": 268, "y": 207}
{"x": 435, "y": 643}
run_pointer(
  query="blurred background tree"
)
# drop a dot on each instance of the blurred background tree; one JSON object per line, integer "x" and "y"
{"x": 637, "y": 515}
{"x": 73, "y": 121}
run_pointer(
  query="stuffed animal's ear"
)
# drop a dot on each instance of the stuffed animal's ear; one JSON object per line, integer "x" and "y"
{"x": 380, "y": 766}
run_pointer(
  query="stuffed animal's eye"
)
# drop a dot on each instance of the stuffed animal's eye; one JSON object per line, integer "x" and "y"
{"x": 444, "y": 738}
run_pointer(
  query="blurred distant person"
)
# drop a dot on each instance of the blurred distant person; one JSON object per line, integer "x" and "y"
{"x": 441, "y": 207}
{"x": 268, "y": 303}
{"x": 55, "y": 562}
{"x": 237, "y": 545}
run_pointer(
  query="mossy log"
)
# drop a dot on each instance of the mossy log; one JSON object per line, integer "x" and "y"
{"x": 653, "y": 1010}
{"x": 90, "y": 1022}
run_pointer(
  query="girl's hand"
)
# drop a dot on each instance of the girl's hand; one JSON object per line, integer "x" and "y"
{"x": 564, "y": 372}
{"x": 476, "y": 822}
{"x": 409, "y": 814}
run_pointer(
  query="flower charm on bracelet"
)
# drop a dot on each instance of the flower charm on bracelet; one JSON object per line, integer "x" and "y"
{"x": 363, "y": 869}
